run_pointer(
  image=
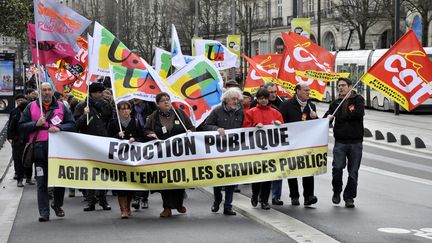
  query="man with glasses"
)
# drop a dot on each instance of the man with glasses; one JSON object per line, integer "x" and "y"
{"x": 300, "y": 108}
{"x": 348, "y": 131}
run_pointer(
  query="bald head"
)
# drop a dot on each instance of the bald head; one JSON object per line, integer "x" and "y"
{"x": 47, "y": 92}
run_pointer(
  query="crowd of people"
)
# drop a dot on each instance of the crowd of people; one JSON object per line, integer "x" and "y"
{"x": 142, "y": 121}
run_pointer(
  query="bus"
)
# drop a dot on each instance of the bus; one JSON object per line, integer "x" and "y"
{"x": 357, "y": 63}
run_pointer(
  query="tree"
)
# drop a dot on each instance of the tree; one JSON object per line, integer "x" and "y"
{"x": 360, "y": 15}
{"x": 15, "y": 16}
{"x": 424, "y": 8}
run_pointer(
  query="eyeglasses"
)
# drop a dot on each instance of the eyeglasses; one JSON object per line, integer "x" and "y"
{"x": 164, "y": 100}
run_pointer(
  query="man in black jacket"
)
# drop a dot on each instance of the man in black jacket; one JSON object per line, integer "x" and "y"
{"x": 99, "y": 114}
{"x": 18, "y": 141}
{"x": 300, "y": 108}
{"x": 348, "y": 134}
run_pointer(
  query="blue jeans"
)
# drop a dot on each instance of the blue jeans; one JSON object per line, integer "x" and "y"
{"x": 276, "y": 189}
{"x": 343, "y": 153}
{"x": 229, "y": 191}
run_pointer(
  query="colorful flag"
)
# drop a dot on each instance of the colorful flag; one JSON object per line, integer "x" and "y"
{"x": 177, "y": 58}
{"x": 57, "y": 22}
{"x": 107, "y": 49}
{"x": 216, "y": 52}
{"x": 403, "y": 73}
{"x": 199, "y": 84}
{"x": 301, "y": 54}
{"x": 60, "y": 77}
{"x": 162, "y": 62}
{"x": 269, "y": 62}
{"x": 49, "y": 51}
{"x": 130, "y": 83}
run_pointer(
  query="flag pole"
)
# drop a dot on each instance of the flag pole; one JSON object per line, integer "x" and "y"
{"x": 179, "y": 118}
{"x": 346, "y": 96}
{"x": 37, "y": 76}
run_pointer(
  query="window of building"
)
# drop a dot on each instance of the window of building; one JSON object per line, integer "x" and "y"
{"x": 328, "y": 4}
{"x": 311, "y": 7}
{"x": 279, "y": 8}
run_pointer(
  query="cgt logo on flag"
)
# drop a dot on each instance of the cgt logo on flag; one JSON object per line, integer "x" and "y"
{"x": 403, "y": 73}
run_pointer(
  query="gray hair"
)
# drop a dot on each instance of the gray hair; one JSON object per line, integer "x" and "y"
{"x": 232, "y": 93}
{"x": 269, "y": 84}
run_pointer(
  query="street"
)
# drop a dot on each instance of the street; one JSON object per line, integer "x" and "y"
{"x": 393, "y": 205}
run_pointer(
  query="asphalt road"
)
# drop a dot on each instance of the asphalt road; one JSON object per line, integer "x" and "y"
{"x": 393, "y": 203}
{"x": 197, "y": 225}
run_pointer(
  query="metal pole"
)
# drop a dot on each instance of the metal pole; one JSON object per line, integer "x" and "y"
{"x": 319, "y": 23}
{"x": 196, "y": 18}
{"x": 250, "y": 31}
{"x": 233, "y": 17}
{"x": 397, "y": 36}
{"x": 118, "y": 20}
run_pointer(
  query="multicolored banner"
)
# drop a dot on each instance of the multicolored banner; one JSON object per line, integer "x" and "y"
{"x": 177, "y": 58}
{"x": 57, "y": 22}
{"x": 189, "y": 160}
{"x": 108, "y": 50}
{"x": 301, "y": 26}
{"x": 162, "y": 62}
{"x": 130, "y": 83}
{"x": 403, "y": 73}
{"x": 199, "y": 84}
{"x": 217, "y": 53}
{"x": 301, "y": 54}
{"x": 234, "y": 45}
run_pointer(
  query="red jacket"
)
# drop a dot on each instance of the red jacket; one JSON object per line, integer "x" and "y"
{"x": 261, "y": 114}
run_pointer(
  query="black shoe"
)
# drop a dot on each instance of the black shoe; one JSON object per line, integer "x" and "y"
{"x": 29, "y": 182}
{"x": 58, "y": 211}
{"x": 144, "y": 204}
{"x": 310, "y": 200}
{"x": 254, "y": 201}
{"x": 43, "y": 218}
{"x": 277, "y": 202}
{"x": 336, "y": 198}
{"x": 215, "y": 207}
{"x": 89, "y": 208}
{"x": 71, "y": 193}
{"x": 20, "y": 183}
{"x": 229, "y": 211}
{"x": 295, "y": 202}
{"x": 136, "y": 204}
{"x": 106, "y": 207}
{"x": 265, "y": 206}
{"x": 349, "y": 203}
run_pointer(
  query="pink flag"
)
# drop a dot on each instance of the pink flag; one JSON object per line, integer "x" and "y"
{"x": 57, "y": 22}
{"x": 49, "y": 51}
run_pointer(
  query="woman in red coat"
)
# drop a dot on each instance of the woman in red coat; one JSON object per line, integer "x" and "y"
{"x": 262, "y": 114}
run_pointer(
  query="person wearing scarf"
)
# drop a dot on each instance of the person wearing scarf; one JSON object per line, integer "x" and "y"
{"x": 298, "y": 108}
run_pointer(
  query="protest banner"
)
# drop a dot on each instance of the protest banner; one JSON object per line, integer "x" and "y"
{"x": 189, "y": 160}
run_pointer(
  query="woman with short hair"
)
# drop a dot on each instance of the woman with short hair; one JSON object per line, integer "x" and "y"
{"x": 168, "y": 121}
{"x": 228, "y": 115}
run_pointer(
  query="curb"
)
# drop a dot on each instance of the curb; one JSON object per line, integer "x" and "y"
{"x": 273, "y": 219}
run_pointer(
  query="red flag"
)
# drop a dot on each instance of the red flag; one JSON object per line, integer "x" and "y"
{"x": 403, "y": 73}
{"x": 301, "y": 54}
{"x": 270, "y": 63}
{"x": 49, "y": 51}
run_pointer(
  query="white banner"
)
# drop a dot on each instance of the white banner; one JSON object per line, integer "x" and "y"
{"x": 189, "y": 160}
